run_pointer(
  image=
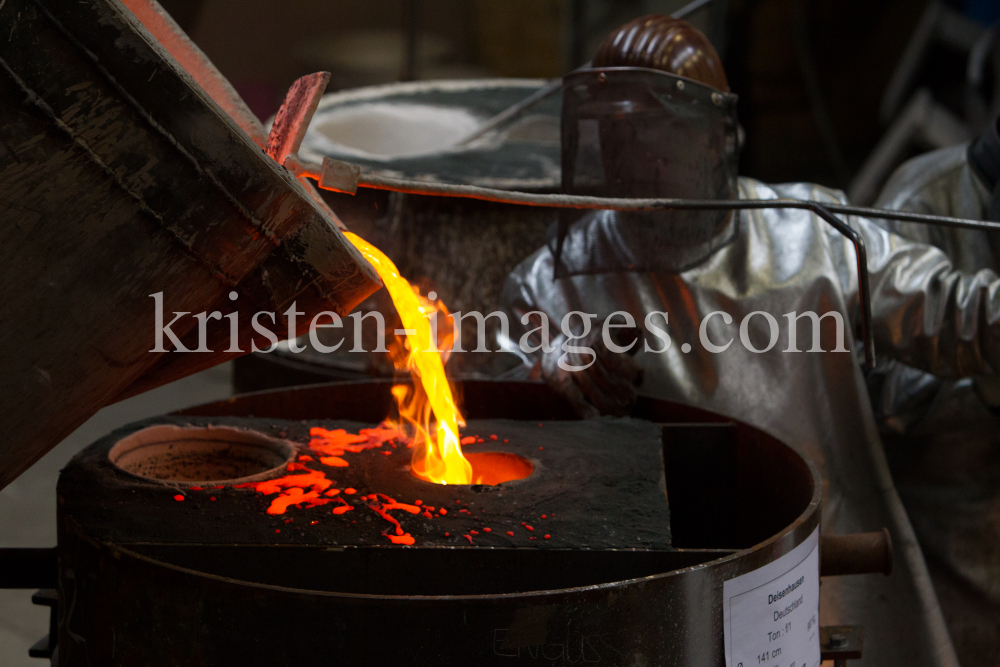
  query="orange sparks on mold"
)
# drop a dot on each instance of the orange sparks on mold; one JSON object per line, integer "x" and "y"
{"x": 334, "y": 461}
{"x": 294, "y": 496}
{"x": 437, "y": 456}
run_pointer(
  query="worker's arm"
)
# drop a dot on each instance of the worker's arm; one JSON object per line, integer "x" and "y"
{"x": 926, "y": 313}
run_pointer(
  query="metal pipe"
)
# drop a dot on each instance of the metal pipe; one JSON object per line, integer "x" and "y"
{"x": 330, "y": 173}
{"x": 858, "y": 553}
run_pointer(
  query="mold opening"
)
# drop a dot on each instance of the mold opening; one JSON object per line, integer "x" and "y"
{"x": 492, "y": 468}
{"x": 177, "y": 454}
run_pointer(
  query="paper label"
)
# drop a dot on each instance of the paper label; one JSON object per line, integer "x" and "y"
{"x": 771, "y": 615}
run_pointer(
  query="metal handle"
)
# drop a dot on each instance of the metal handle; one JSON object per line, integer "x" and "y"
{"x": 858, "y": 553}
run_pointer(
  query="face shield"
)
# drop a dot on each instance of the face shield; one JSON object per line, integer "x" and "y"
{"x": 633, "y": 132}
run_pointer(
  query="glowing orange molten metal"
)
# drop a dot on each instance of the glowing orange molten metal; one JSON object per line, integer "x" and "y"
{"x": 437, "y": 456}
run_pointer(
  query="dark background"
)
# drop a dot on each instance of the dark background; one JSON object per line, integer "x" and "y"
{"x": 810, "y": 73}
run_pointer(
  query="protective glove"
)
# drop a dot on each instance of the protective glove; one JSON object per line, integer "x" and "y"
{"x": 606, "y": 382}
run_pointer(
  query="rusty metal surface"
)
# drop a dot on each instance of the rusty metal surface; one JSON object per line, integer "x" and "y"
{"x": 857, "y": 553}
{"x": 172, "y": 37}
{"x": 119, "y": 178}
{"x": 292, "y": 120}
{"x": 129, "y": 606}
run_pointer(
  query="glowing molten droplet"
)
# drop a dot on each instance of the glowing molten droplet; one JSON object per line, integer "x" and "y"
{"x": 334, "y": 461}
{"x": 292, "y": 497}
{"x": 178, "y": 497}
{"x": 437, "y": 456}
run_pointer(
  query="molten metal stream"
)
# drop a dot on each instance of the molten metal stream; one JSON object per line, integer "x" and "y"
{"x": 436, "y": 458}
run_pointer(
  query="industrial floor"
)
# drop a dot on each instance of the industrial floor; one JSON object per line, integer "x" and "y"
{"x": 28, "y": 505}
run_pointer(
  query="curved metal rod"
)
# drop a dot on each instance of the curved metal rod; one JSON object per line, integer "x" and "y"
{"x": 634, "y": 204}
{"x": 343, "y": 177}
{"x": 864, "y": 286}
{"x": 824, "y": 211}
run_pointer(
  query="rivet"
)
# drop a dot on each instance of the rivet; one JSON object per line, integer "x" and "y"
{"x": 717, "y": 99}
{"x": 680, "y": 85}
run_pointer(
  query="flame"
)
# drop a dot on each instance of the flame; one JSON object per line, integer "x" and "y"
{"x": 437, "y": 456}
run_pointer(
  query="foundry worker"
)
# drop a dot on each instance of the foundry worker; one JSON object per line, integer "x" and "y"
{"x": 942, "y": 434}
{"x": 959, "y": 181}
{"x": 734, "y": 292}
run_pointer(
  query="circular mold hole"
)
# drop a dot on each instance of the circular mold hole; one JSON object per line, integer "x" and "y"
{"x": 492, "y": 468}
{"x": 199, "y": 455}
{"x": 395, "y": 130}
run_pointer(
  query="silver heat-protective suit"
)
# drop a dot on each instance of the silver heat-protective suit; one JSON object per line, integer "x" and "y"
{"x": 779, "y": 261}
{"x": 942, "y": 434}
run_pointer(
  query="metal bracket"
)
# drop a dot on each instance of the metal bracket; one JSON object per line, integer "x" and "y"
{"x": 841, "y": 643}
